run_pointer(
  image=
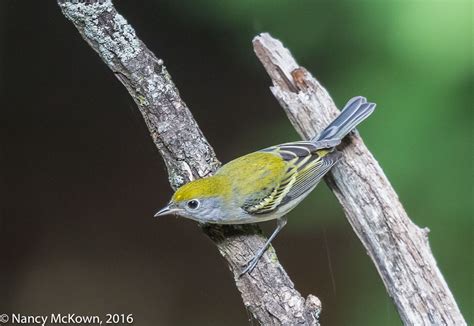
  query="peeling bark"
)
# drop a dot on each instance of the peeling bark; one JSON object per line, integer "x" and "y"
{"x": 398, "y": 248}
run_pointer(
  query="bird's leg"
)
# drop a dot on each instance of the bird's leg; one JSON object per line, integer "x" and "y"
{"x": 281, "y": 222}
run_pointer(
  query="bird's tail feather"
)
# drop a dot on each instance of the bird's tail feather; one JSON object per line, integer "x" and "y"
{"x": 355, "y": 111}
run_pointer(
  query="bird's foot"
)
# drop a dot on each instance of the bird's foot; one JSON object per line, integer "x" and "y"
{"x": 249, "y": 266}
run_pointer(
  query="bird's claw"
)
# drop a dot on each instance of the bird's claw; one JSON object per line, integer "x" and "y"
{"x": 249, "y": 267}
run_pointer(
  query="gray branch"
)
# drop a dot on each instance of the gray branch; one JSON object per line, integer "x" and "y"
{"x": 268, "y": 292}
{"x": 398, "y": 248}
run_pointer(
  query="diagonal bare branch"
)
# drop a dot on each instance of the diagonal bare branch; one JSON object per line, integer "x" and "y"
{"x": 268, "y": 292}
{"x": 399, "y": 249}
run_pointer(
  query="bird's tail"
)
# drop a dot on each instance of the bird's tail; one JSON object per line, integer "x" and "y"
{"x": 355, "y": 111}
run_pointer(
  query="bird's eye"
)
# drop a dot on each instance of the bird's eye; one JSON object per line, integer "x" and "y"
{"x": 193, "y": 204}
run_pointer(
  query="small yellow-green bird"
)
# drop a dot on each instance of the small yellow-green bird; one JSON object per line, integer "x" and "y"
{"x": 267, "y": 184}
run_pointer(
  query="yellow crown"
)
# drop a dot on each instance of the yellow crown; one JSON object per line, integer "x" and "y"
{"x": 203, "y": 188}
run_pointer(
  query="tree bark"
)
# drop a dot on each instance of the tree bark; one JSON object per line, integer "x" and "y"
{"x": 267, "y": 292}
{"x": 398, "y": 248}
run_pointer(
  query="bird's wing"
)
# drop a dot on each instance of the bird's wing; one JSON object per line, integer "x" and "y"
{"x": 301, "y": 148}
{"x": 306, "y": 165}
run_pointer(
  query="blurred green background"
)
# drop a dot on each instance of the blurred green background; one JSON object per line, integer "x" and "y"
{"x": 82, "y": 178}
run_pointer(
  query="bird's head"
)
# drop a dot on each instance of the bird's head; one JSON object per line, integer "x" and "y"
{"x": 203, "y": 200}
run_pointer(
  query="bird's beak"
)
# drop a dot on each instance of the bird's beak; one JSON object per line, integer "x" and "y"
{"x": 165, "y": 211}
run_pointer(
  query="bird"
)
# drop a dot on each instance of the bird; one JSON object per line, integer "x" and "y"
{"x": 267, "y": 184}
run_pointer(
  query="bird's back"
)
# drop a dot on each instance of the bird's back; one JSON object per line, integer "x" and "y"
{"x": 257, "y": 170}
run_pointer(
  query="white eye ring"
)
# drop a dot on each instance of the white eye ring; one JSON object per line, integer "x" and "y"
{"x": 193, "y": 204}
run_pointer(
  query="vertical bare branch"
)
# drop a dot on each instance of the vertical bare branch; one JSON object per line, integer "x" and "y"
{"x": 399, "y": 249}
{"x": 268, "y": 292}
